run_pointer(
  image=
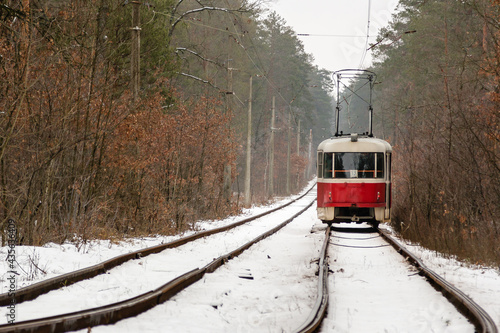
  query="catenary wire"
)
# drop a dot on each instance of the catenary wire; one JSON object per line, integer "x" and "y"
{"x": 367, "y": 36}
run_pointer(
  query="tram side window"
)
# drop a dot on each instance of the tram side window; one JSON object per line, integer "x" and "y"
{"x": 389, "y": 166}
{"x": 359, "y": 165}
{"x": 380, "y": 165}
{"x": 328, "y": 166}
{"x": 320, "y": 164}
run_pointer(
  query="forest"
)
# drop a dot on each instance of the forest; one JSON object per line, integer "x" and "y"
{"x": 438, "y": 103}
{"x": 123, "y": 118}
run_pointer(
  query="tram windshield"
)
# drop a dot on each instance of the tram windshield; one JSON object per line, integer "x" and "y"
{"x": 353, "y": 165}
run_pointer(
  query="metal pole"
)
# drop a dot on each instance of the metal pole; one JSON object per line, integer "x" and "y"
{"x": 288, "y": 153}
{"x": 370, "y": 108}
{"x": 227, "y": 167}
{"x": 271, "y": 153}
{"x": 337, "y": 109}
{"x": 310, "y": 164}
{"x": 298, "y": 139}
{"x": 298, "y": 152}
{"x": 249, "y": 147}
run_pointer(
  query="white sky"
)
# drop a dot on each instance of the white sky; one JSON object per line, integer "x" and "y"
{"x": 336, "y": 17}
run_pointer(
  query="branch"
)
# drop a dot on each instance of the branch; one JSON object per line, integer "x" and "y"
{"x": 200, "y": 79}
{"x": 198, "y": 10}
{"x": 174, "y": 10}
{"x": 198, "y": 55}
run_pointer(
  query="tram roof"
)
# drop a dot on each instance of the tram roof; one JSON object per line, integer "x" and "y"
{"x": 362, "y": 145}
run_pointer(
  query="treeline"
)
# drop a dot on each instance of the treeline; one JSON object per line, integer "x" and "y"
{"x": 80, "y": 156}
{"x": 438, "y": 68}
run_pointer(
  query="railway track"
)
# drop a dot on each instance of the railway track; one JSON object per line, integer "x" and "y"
{"x": 479, "y": 318}
{"x": 464, "y": 304}
{"x": 111, "y": 313}
{"x": 116, "y": 311}
{"x": 33, "y": 291}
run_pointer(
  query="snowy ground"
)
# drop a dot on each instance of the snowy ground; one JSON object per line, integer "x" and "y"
{"x": 275, "y": 299}
{"x": 372, "y": 282}
{"x": 270, "y": 287}
{"x": 482, "y": 284}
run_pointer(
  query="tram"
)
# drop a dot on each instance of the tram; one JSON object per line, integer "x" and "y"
{"x": 354, "y": 171}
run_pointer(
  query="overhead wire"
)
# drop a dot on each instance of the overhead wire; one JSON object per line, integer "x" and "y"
{"x": 326, "y": 35}
{"x": 259, "y": 67}
{"x": 365, "y": 49}
{"x": 263, "y": 73}
{"x": 199, "y": 24}
{"x": 236, "y": 36}
{"x": 235, "y": 33}
{"x": 190, "y": 20}
{"x": 363, "y": 56}
{"x": 360, "y": 66}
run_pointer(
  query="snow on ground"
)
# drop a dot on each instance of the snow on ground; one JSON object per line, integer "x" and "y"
{"x": 374, "y": 289}
{"x": 142, "y": 275}
{"x": 482, "y": 284}
{"x": 38, "y": 263}
{"x": 281, "y": 268}
{"x": 271, "y": 287}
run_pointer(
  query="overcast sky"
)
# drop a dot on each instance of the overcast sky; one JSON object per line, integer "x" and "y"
{"x": 326, "y": 20}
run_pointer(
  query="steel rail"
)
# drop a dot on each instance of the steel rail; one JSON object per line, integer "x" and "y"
{"x": 464, "y": 304}
{"x": 112, "y": 313}
{"x": 33, "y": 291}
{"x": 318, "y": 311}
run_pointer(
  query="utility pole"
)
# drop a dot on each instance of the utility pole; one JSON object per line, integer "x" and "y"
{"x": 298, "y": 139}
{"x": 310, "y": 164}
{"x": 288, "y": 153}
{"x": 271, "y": 153}
{"x": 226, "y": 188}
{"x": 136, "y": 50}
{"x": 298, "y": 151}
{"x": 249, "y": 148}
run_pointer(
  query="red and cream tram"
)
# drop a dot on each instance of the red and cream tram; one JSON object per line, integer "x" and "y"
{"x": 354, "y": 171}
{"x": 354, "y": 180}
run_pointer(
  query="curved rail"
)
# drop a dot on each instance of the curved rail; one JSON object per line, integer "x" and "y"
{"x": 464, "y": 304}
{"x": 112, "y": 313}
{"x": 319, "y": 309}
{"x": 33, "y": 291}
{"x": 470, "y": 309}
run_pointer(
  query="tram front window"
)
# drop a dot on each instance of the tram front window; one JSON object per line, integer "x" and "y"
{"x": 358, "y": 165}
